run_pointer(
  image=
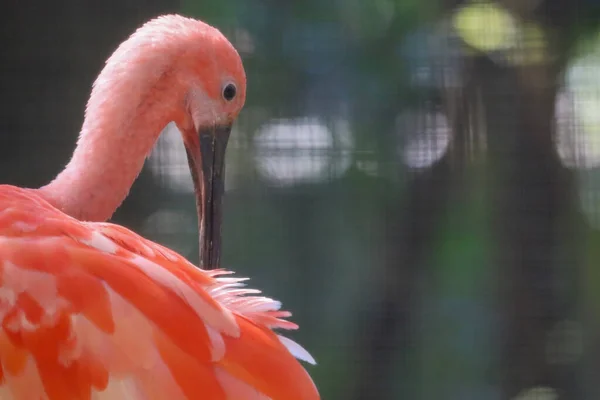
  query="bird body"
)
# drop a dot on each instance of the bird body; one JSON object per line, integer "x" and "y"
{"x": 91, "y": 310}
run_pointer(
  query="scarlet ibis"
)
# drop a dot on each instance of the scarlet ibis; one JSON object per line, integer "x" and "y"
{"x": 89, "y": 309}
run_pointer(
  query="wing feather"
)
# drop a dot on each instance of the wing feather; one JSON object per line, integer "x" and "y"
{"x": 94, "y": 311}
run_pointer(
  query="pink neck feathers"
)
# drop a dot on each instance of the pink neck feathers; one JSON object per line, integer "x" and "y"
{"x": 103, "y": 168}
{"x": 132, "y": 100}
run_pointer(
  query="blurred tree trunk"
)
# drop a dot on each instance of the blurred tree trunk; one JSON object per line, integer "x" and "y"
{"x": 389, "y": 334}
{"x": 533, "y": 204}
{"x": 51, "y": 54}
{"x": 533, "y": 195}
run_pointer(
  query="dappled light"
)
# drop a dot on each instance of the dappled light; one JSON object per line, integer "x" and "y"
{"x": 168, "y": 161}
{"x": 492, "y": 29}
{"x": 289, "y": 152}
{"x": 578, "y": 136}
{"x": 426, "y": 138}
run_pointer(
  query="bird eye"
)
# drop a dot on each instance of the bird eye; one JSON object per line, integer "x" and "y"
{"x": 229, "y": 91}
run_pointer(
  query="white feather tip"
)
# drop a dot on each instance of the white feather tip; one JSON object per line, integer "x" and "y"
{"x": 296, "y": 350}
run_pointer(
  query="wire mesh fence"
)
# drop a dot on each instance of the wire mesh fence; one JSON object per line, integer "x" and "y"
{"x": 416, "y": 181}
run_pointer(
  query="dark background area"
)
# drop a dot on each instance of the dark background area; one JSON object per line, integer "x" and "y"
{"x": 416, "y": 180}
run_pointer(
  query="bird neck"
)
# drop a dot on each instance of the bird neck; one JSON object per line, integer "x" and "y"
{"x": 109, "y": 157}
{"x": 137, "y": 93}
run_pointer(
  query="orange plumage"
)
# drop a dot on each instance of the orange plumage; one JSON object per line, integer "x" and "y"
{"x": 93, "y": 311}
{"x": 90, "y": 310}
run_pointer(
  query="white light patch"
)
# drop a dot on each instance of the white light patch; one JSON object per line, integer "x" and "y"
{"x": 168, "y": 161}
{"x": 169, "y": 165}
{"x": 426, "y": 138}
{"x": 577, "y": 118}
{"x": 303, "y": 150}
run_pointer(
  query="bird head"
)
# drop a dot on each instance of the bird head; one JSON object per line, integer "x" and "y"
{"x": 183, "y": 70}
{"x": 213, "y": 96}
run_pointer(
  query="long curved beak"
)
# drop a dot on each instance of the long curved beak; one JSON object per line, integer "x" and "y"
{"x": 207, "y": 166}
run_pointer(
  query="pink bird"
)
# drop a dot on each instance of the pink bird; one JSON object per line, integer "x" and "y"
{"x": 90, "y": 310}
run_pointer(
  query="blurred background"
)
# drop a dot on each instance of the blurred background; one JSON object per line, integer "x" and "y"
{"x": 417, "y": 180}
